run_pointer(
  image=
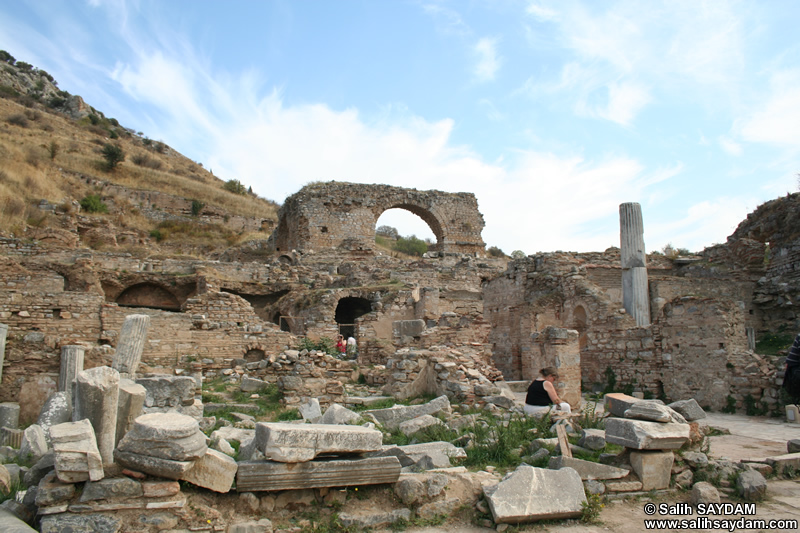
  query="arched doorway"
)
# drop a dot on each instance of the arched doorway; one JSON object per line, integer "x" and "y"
{"x": 405, "y": 222}
{"x": 348, "y": 310}
{"x": 148, "y": 295}
{"x": 580, "y": 322}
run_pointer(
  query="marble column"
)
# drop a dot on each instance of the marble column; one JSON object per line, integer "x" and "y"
{"x": 96, "y": 399}
{"x": 71, "y": 366}
{"x": 131, "y": 345}
{"x": 635, "y": 289}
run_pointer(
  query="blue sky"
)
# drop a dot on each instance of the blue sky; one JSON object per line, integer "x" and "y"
{"x": 551, "y": 113}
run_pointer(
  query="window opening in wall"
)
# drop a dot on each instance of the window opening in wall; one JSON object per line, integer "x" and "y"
{"x": 324, "y": 229}
{"x": 347, "y": 311}
{"x": 395, "y": 228}
{"x": 56, "y": 313}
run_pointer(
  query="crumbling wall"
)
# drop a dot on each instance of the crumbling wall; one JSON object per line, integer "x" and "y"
{"x": 343, "y": 215}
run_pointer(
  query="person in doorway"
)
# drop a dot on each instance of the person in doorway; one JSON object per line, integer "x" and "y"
{"x": 352, "y": 348}
{"x": 542, "y": 397}
{"x": 341, "y": 346}
{"x": 791, "y": 378}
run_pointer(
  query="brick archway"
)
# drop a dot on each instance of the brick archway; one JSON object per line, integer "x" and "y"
{"x": 343, "y": 215}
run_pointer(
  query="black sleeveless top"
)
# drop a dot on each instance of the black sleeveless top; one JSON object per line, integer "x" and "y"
{"x": 537, "y": 395}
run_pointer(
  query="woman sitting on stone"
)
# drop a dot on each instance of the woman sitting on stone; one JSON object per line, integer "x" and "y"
{"x": 542, "y": 397}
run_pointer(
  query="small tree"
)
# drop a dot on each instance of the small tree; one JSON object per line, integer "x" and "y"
{"x": 52, "y": 149}
{"x": 494, "y": 251}
{"x": 93, "y": 204}
{"x": 518, "y": 254}
{"x": 113, "y": 155}
{"x": 197, "y": 207}
{"x": 235, "y": 186}
{"x": 387, "y": 231}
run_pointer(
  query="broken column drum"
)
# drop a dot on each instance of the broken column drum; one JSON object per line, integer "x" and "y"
{"x": 71, "y": 365}
{"x": 635, "y": 290}
{"x": 131, "y": 345}
{"x": 96, "y": 398}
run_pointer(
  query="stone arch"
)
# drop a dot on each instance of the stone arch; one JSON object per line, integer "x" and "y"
{"x": 343, "y": 215}
{"x": 149, "y": 295}
{"x": 580, "y": 322}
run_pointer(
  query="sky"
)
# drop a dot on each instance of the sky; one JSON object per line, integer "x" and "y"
{"x": 550, "y": 113}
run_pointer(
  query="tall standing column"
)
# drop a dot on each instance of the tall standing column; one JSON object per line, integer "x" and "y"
{"x": 3, "y": 333}
{"x": 635, "y": 290}
{"x": 71, "y": 366}
{"x": 131, "y": 345}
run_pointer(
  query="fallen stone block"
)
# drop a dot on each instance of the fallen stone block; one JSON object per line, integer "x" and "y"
{"x": 409, "y": 427}
{"x": 271, "y": 475}
{"x": 214, "y": 471}
{"x": 653, "y": 468}
{"x": 689, "y": 409}
{"x": 703, "y": 492}
{"x": 296, "y": 443}
{"x": 616, "y": 403}
{"x": 643, "y": 435}
{"x": 529, "y": 494}
{"x": 10, "y": 523}
{"x": 623, "y": 485}
{"x": 793, "y": 446}
{"x": 371, "y": 519}
{"x": 80, "y": 523}
{"x": 152, "y": 465}
{"x": 587, "y": 469}
{"x": 311, "y": 410}
{"x": 111, "y": 488}
{"x": 9, "y": 415}
{"x": 34, "y": 443}
{"x": 779, "y": 463}
{"x": 592, "y": 439}
{"x": 441, "y": 454}
{"x": 444, "y": 507}
{"x": 751, "y": 486}
{"x": 648, "y": 411}
{"x": 76, "y": 456}
{"x": 337, "y": 414}
{"x": 51, "y": 491}
{"x": 261, "y": 526}
{"x": 56, "y": 410}
{"x": 391, "y": 418}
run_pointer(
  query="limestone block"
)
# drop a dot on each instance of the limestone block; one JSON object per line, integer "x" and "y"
{"x": 252, "y": 384}
{"x": 440, "y": 453}
{"x": 407, "y": 328}
{"x": 409, "y": 427}
{"x": 310, "y": 410}
{"x": 703, "y": 492}
{"x": 293, "y": 443}
{"x": 587, "y": 469}
{"x": 793, "y": 446}
{"x": 594, "y": 487}
{"x": 529, "y": 494}
{"x": 129, "y": 407}
{"x": 445, "y": 507}
{"x": 695, "y": 459}
{"x": 106, "y": 489}
{"x": 643, "y": 435}
{"x": 391, "y": 418}
{"x": 56, "y": 410}
{"x": 51, "y": 491}
{"x": 168, "y": 391}
{"x": 779, "y": 463}
{"x": 617, "y": 403}
{"x": 34, "y": 443}
{"x": 214, "y": 471}
{"x": 9, "y": 415}
{"x": 592, "y": 439}
{"x": 261, "y": 526}
{"x": 337, "y": 414}
{"x": 623, "y": 485}
{"x": 271, "y": 475}
{"x": 96, "y": 397}
{"x": 9, "y": 521}
{"x": 653, "y": 468}
{"x": 689, "y": 409}
{"x": 751, "y": 485}
{"x": 80, "y": 523}
{"x": 152, "y": 465}
{"x": 648, "y": 411}
{"x": 374, "y": 519}
{"x": 76, "y": 456}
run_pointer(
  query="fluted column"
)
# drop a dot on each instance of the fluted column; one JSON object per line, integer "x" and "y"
{"x": 635, "y": 289}
{"x": 71, "y": 366}
{"x": 131, "y": 345}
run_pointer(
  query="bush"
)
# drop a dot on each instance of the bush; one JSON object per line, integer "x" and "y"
{"x": 93, "y": 204}
{"x": 410, "y": 246}
{"x": 494, "y": 251}
{"x": 197, "y": 207}
{"x": 113, "y": 155}
{"x": 235, "y": 186}
{"x": 18, "y": 119}
{"x": 144, "y": 160}
{"x": 387, "y": 231}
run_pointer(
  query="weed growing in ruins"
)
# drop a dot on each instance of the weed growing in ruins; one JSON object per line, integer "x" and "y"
{"x": 772, "y": 343}
{"x": 498, "y": 442}
{"x": 730, "y": 407}
{"x": 590, "y": 418}
{"x": 324, "y": 344}
{"x": 590, "y": 509}
{"x": 611, "y": 380}
{"x": 15, "y": 487}
{"x": 753, "y": 407}
{"x": 93, "y": 204}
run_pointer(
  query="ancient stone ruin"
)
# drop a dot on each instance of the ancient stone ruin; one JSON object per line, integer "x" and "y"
{"x": 104, "y": 359}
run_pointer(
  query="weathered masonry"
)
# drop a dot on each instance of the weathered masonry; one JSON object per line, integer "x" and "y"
{"x": 343, "y": 216}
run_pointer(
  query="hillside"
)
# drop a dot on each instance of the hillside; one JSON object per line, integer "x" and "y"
{"x": 51, "y": 148}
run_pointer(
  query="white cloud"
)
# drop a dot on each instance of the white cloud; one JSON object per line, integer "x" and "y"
{"x": 730, "y": 146}
{"x": 488, "y": 61}
{"x": 541, "y": 12}
{"x": 777, "y": 120}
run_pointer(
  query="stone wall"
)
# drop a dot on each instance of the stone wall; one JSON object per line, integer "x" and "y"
{"x": 343, "y": 215}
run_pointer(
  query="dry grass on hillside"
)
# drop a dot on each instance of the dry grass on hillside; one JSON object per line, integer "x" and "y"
{"x": 43, "y": 154}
